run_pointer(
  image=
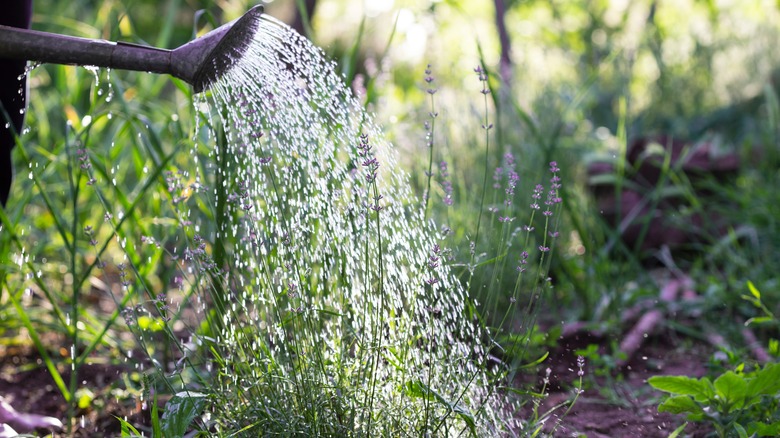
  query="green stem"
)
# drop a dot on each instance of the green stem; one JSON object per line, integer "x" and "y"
{"x": 74, "y": 315}
{"x": 486, "y": 127}
{"x": 430, "y": 156}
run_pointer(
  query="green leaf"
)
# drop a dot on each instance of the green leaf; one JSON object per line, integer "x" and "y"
{"x": 149, "y": 323}
{"x": 732, "y": 388}
{"x": 700, "y": 389}
{"x": 128, "y": 430}
{"x": 156, "y": 430}
{"x": 765, "y": 381}
{"x": 774, "y": 347}
{"x": 753, "y": 290}
{"x": 740, "y": 430}
{"x": 393, "y": 359}
{"x": 420, "y": 389}
{"x": 536, "y": 362}
{"x": 758, "y": 320}
{"x": 84, "y": 397}
{"x": 417, "y": 390}
{"x": 678, "y": 431}
{"x": 680, "y": 404}
{"x": 180, "y": 410}
{"x": 763, "y": 429}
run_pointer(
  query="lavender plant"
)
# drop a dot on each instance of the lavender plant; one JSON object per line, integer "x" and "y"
{"x": 339, "y": 316}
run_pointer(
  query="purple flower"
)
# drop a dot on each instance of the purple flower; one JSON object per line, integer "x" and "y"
{"x": 429, "y": 80}
{"x": 538, "y": 191}
{"x": 433, "y": 262}
{"x": 446, "y": 185}
{"x": 482, "y": 75}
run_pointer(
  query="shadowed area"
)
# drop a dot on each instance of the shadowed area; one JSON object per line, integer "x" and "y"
{"x": 13, "y": 94}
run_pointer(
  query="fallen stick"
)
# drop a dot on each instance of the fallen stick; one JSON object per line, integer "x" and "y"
{"x": 755, "y": 347}
{"x": 649, "y": 321}
{"x": 10, "y": 418}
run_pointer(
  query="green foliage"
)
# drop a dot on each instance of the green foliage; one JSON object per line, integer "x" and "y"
{"x": 180, "y": 411}
{"x": 736, "y": 403}
{"x": 127, "y": 429}
{"x": 755, "y": 299}
{"x": 603, "y": 364}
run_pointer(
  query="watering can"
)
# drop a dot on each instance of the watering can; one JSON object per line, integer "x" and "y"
{"x": 199, "y": 62}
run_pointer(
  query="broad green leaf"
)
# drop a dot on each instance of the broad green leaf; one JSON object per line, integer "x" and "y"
{"x": 180, "y": 410}
{"x": 763, "y": 429}
{"x": 700, "y": 389}
{"x": 680, "y": 404}
{"x": 417, "y": 390}
{"x": 732, "y": 388}
{"x": 765, "y": 381}
{"x": 700, "y": 416}
{"x": 740, "y": 430}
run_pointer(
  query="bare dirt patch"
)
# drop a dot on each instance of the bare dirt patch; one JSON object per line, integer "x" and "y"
{"x": 27, "y": 385}
{"x": 621, "y": 403}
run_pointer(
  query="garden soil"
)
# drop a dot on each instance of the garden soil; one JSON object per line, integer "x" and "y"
{"x": 614, "y": 406}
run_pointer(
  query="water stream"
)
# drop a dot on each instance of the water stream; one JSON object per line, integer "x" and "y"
{"x": 339, "y": 295}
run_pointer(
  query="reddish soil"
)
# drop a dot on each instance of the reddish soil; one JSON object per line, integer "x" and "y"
{"x": 27, "y": 385}
{"x": 620, "y": 405}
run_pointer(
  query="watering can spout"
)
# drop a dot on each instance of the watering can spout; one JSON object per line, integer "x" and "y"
{"x": 199, "y": 62}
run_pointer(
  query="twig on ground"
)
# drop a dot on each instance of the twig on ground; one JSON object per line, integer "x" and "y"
{"x": 650, "y": 320}
{"x": 755, "y": 347}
